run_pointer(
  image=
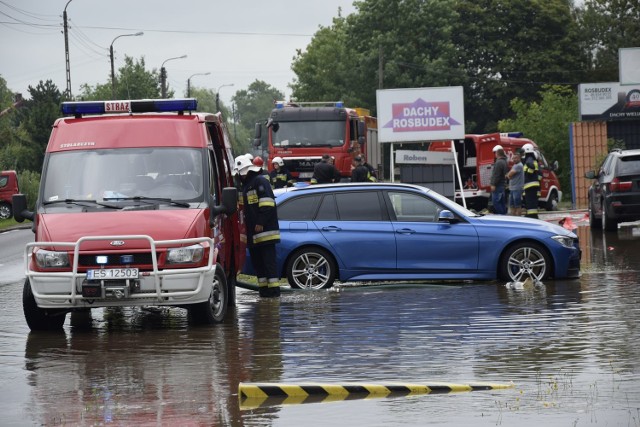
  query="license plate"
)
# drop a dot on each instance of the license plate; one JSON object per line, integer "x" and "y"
{"x": 306, "y": 174}
{"x": 112, "y": 274}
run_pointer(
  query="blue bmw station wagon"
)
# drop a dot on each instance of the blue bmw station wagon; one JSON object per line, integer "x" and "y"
{"x": 398, "y": 232}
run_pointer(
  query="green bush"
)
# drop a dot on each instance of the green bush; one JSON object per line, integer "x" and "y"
{"x": 29, "y": 183}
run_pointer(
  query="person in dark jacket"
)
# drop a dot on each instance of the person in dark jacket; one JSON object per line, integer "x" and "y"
{"x": 325, "y": 172}
{"x": 498, "y": 181}
{"x": 280, "y": 176}
{"x": 261, "y": 217}
{"x": 359, "y": 172}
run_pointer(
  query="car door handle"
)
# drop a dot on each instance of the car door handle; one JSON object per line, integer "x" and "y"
{"x": 331, "y": 228}
{"x": 405, "y": 231}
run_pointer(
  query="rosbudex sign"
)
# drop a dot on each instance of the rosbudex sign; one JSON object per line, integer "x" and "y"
{"x": 420, "y": 114}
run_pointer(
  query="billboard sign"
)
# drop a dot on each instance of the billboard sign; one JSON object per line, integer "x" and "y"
{"x": 425, "y": 157}
{"x": 629, "y": 65}
{"x": 420, "y": 114}
{"x": 609, "y": 101}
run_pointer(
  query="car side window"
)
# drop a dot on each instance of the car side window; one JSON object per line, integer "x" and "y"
{"x": 3, "y": 181}
{"x": 359, "y": 206}
{"x": 327, "y": 211}
{"x": 413, "y": 208}
{"x": 299, "y": 208}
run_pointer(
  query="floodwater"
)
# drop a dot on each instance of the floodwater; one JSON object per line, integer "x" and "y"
{"x": 570, "y": 348}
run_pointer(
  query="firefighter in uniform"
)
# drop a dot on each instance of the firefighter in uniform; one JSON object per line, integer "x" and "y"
{"x": 261, "y": 217}
{"x": 325, "y": 172}
{"x": 359, "y": 172}
{"x": 532, "y": 179}
{"x": 280, "y": 176}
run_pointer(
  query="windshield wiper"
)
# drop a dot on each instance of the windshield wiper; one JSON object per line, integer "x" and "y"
{"x": 150, "y": 199}
{"x": 81, "y": 202}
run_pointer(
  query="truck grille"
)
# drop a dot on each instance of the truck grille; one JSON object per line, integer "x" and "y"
{"x": 114, "y": 259}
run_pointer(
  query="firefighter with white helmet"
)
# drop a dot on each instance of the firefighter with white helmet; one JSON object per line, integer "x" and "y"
{"x": 280, "y": 176}
{"x": 261, "y": 218}
{"x": 532, "y": 177}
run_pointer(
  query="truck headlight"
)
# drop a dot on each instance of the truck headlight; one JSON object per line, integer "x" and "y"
{"x": 565, "y": 241}
{"x": 51, "y": 259}
{"x": 187, "y": 255}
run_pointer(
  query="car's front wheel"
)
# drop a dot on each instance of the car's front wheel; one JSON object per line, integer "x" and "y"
{"x": 311, "y": 268}
{"x": 40, "y": 319}
{"x": 5, "y": 211}
{"x": 552, "y": 203}
{"x": 215, "y": 308}
{"x": 525, "y": 259}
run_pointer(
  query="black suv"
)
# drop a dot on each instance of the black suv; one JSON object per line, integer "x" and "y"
{"x": 615, "y": 193}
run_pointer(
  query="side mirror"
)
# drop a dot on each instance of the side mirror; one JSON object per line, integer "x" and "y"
{"x": 555, "y": 166}
{"x": 257, "y": 138}
{"x": 229, "y": 203}
{"x": 20, "y": 212}
{"x": 590, "y": 175}
{"x": 447, "y": 216}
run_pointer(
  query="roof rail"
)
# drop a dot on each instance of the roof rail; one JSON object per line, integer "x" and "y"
{"x": 283, "y": 104}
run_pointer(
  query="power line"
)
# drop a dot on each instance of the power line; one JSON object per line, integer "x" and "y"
{"x": 51, "y": 18}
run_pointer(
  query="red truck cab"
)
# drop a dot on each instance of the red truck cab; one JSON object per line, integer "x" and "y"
{"x": 136, "y": 207}
{"x": 8, "y": 187}
{"x": 475, "y": 159}
{"x": 300, "y": 133}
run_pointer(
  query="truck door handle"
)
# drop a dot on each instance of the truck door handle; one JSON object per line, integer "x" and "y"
{"x": 331, "y": 228}
{"x": 405, "y": 231}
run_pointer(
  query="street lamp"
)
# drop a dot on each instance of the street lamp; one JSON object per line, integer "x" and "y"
{"x": 218, "y": 96}
{"x": 163, "y": 74}
{"x": 189, "y": 82}
{"x": 113, "y": 74}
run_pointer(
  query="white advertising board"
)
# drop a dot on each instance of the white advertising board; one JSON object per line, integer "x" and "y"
{"x": 424, "y": 157}
{"x": 420, "y": 114}
{"x": 609, "y": 101}
{"x": 629, "y": 65}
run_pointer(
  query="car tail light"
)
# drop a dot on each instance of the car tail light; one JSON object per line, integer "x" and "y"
{"x": 618, "y": 186}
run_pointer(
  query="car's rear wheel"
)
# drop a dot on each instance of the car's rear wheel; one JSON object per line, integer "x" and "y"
{"x": 215, "y": 308}
{"x": 5, "y": 211}
{"x": 608, "y": 223}
{"x": 525, "y": 259}
{"x": 40, "y": 319}
{"x": 593, "y": 221}
{"x": 311, "y": 268}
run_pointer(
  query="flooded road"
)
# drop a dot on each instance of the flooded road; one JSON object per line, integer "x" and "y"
{"x": 570, "y": 347}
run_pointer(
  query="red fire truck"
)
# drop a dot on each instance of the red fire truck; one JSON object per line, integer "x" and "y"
{"x": 8, "y": 187}
{"x": 475, "y": 159}
{"x": 300, "y": 133}
{"x": 136, "y": 207}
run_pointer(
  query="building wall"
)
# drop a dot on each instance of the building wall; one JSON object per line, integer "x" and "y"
{"x": 588, "y": 145}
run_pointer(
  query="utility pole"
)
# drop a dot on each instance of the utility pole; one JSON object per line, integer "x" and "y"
{"x": 189, "y": 81}
{"x": 113, "y": 74}
{"x": 163, "y": 75}
{"x": 66, "y": 49}
{"x": 380, "y": 68}
{"x": 218, "y": 96}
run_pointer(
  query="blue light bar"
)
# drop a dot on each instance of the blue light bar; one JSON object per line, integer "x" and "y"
{"x": 126, "y": 259}
{"x": 128, "y": 106}
{"x": 339, "y": 104}
{"x": 512, "y": 134}
{"x": 279, "y": 104}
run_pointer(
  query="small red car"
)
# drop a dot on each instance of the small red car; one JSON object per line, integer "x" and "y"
{"x": 8, "y": 187}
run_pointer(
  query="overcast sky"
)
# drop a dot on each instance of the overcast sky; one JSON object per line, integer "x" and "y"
{"x": 237, "y": 41}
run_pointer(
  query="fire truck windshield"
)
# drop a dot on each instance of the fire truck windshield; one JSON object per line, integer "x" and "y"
{"x": 117, "y": 174}
{"x": 309, "y": 134}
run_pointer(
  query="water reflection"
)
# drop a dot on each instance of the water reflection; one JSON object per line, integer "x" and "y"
{"x": 570, "y": 347}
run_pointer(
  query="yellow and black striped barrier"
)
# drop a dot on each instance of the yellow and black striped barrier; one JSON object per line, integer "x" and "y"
{"x": 253, "y": 395}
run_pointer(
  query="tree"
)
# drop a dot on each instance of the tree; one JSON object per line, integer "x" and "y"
{"x": 133, "y": 81}
{"x": 547, "y": 123}
{"x": 607, "y": 26}
{"x": 252, "y": 106}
